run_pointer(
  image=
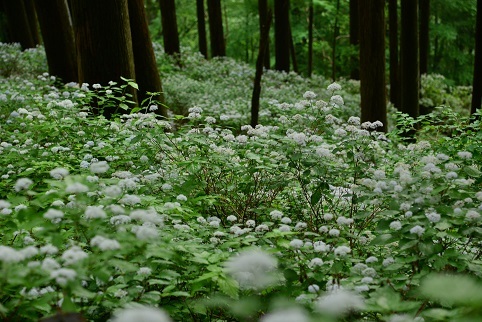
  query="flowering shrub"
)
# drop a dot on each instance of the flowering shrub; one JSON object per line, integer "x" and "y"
{"x": 312, "y": 215}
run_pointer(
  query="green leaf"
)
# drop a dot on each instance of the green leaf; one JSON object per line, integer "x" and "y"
{"x": 383, "y": 239}
{"x": 452, "y": 290}
{"x": 228, "y": 286}
{"x": 134, "y": 85}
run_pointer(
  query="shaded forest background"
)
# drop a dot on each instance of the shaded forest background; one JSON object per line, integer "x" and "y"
{"x": 451, "y": 40}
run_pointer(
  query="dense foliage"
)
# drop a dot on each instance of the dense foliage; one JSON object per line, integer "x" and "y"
{"x": 310, "y": 216}
{"x": 452, "y": 34}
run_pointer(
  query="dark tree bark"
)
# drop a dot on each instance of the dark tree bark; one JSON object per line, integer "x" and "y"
{"x": 263, "y": 20}
{"x": 354, "y": 37}
{"x": 169, "y": 27}
{"x": 282, "y": 35}
{"x": 477, "y": 83}
{"x": 18, "y": 23}
{"x": 32, "y": 19}
{"x": 146, "y": 72}
{"x": 54, "y": 15}
{"x": 372, "y": 61}
{"x": 294, "y": 62}
{"x": 201, "y": 28}
{"x": 336, "y": 31}
{"x": 393, "y": 60}
{"x": 218, "y": 47}
{"x": 424, "y": 7}
{"x": 263, "y": 45}
{"x": 103, "y": 40}
{"x": 310, "y": 39}
{"x": 409, "y": 56}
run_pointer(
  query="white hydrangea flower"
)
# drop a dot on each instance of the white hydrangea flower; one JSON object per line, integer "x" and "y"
{"x": 253, "y": 269}
{"x": 276, "y": 214}
{"x": 334, "y": 87}
{"x": 141, "y": 314}
{"x": 418, "y": 230}
{"x": 76, "y": 187}
{"x": 10, "y": 255}
{"x": 315, "y": 262}
{"x": 296, "y": 243}
{"x": 95, "y": 212}
{"x": 339, "y": 302}
{"x": 59, "y": 173}
{"x": 342, "y": 250}
{"x": 396, "y": 225}
{"x": 99, "y": 167}
{"x": 104, "y": 243}
{"x": 23, "y": 184}
{"x": 73, "y": 255}
{"x": 63, "y": 275}
{"x": 286, "y": 315}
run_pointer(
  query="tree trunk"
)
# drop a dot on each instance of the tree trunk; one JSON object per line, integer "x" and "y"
{"x": 201, "y": 28}
{"x": 54, "y": 15}
{"x": 263, "y": 45}
{"x": 18, "y": 23}
{"x": 169, "y": 28}
{"x": 32, "y": 19}
{"x": 104, "y": 45}
{"x": 409, "y": 58}
{"x": 333, "y": 45}
{"x": 424, "y": 6}
{"x": 218, "y": 47}
{"x": 282, "y": 35}
{"x": 372, "y": 62}
{"x": 146, "y": 72}
{"x": 477, "y": 83}
{"x": 354, "y": 38}
{"x": 263, "y": 20}
{"x": 293, "y": 51}
{"x": 393, "y": 45}
{"x": 310, "y": 39}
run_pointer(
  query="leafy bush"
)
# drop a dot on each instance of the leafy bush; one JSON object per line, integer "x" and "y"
{"x": 311, "y": 216}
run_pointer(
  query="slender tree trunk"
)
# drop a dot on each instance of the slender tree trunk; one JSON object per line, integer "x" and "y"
{"x": 146, "y": 72}
{"x": 263, "y": 20}
{"x": 354, "y": 38}
{"x": 54, "y": 15}
{"x": 169, "y": 28}
{"x": 104, "y": 45}
{"x": 32, "y": 19}
{"x": 293, "y": 51}
{"x": 18, "y": 23}
{"x": 282, "y": 35}
{"x": 333, "y": 45}
{"x": 424, "y": 6}
{"x": 218, "y": 47}
{"x": 263, "y": 45}
{"x": 393, "y": 44}
{"x": 409, "y": 58}
{"x": 310, "y": 39}
{"x": 372, "y": 62}
{"x": 477, "y": 83}
{"x": 201, "y": 28}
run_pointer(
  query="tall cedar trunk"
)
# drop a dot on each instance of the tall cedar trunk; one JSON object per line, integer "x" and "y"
{"x": 310, "y": 39}
{"x": 218, "y": 47}
{"x": 409, "y": 56}
{"x": 32, "y": 19}
{"x": 263, "y": 20}
{"x": 4, "y": 32}
{"x": 18, "y": 23}
{"x": 477, "y": 83}
{"x": 263, "y": 45}
{"x": 394, "y": 63}
{"x": 169, "y": 27}
{"x": 104, "y": 44}
{"x": 294, "y": 62}
{"x": 333, "y": 45}
{"x": 372, "y": 61}
{"x": 354, "y": 38}
{"x": 282, "y": 34}
{"x": 147, "y": 74}
{"x": 201, "y": 28}
{"x": 424, "y": 6}
{"x": 54, "y": 15}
